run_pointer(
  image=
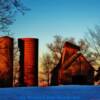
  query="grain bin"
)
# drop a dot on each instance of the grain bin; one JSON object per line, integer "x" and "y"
{"x": 28, "y": 48}
{"x": 6, "y": 61}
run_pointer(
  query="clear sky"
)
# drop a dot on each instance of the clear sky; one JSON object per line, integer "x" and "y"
{"x": 68, "y": 18}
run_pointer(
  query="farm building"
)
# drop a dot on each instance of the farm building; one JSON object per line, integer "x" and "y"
{"x": 73, "y": 68}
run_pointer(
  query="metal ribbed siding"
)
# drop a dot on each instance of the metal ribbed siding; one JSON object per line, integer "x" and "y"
{"x": 6, "y": 61}
{"x": 28, "y": 48}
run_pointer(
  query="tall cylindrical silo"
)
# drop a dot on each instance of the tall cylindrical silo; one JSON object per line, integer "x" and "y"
{"x": 28, "y": 48}
{"x": 6, "y": 61}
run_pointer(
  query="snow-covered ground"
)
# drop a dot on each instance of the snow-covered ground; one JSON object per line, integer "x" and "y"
{"x": 69, "y": 92}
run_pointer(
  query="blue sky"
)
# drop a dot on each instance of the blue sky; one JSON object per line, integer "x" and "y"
{"x": 68, "y": 18}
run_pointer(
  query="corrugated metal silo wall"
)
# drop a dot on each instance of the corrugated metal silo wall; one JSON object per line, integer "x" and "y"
{"x": 6, "y": 61}
{"x": 28, "y": 48}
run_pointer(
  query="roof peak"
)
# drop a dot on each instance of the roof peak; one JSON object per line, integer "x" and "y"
{"x": 67, "y": 43}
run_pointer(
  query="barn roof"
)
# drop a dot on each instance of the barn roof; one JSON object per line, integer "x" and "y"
{"x": 69, "y": 44}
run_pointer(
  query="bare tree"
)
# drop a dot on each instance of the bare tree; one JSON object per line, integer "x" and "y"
{"x": 52, "y": 57}
{"x": 47, "y": 65}
{"x": 93, "y": 39}
{"x": 8, "y": 9}
{"x": 85, "y": 49}
{"x": 16, "y": 65}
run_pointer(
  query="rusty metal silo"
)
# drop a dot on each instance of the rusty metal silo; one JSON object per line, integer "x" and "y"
{"x": 28, "y": 48}
{"x": 6, "y": 61}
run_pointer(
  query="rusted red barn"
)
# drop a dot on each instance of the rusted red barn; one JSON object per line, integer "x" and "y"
{"x": 28, "y": 48}
{"x": 73, "y": 68}
{"x": 6, "y": 61}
